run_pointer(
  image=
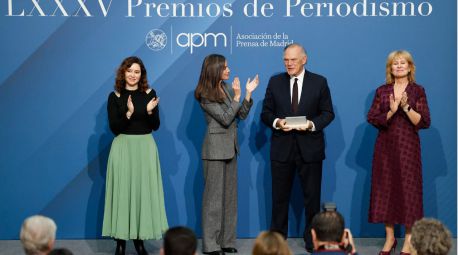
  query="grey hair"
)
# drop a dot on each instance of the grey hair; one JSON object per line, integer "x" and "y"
{"x": 36, "y": 233}
{"x": 430, "y": 237}
{"x": 303, "y": 51}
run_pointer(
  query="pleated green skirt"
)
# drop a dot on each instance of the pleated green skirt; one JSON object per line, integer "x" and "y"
{"x": 134, "y": 199}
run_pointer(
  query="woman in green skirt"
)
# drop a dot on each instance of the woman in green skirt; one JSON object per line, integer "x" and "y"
{"x": 134, "y": 200}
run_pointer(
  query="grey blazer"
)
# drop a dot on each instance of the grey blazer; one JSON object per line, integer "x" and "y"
{"x": 220, "y": 142}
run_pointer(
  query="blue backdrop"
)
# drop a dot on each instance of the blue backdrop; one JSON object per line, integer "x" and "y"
{"x": 58, "y": 61}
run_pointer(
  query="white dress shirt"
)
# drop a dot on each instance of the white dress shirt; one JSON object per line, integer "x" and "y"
{"x": 300, "y": 80}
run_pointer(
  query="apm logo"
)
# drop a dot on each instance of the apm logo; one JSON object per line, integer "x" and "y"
{"x": 156, "y": 40}
{"x": 197, "y": 40}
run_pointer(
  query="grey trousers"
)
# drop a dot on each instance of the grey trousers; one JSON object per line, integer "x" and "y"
{"x": 219, "y": 204}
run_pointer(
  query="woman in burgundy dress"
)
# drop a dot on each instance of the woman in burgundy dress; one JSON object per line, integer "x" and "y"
{"x": 398, "y": 111}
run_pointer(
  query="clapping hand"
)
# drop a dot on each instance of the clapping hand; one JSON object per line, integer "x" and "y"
{"x": 404, "y": 99}
{"x": 252, "y": 85}
{"x": 394, "y": 103}
{"x": 152, "y": 104}
{"x": 236, "y": 88}
{"x": 130, "y": 105}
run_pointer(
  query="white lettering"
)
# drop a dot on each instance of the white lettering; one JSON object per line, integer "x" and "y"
{"x": 227, "y": 10}
{"x": 253, "y": 9}
{"x": 130, "y": 6}
{"x": 61, "y": 8}
{"x": 288, "y": 7}
{"x": 10, "y": 9}
{"x": 103, "y": 8}
{"x": 339, "y": 11}
{"x": 161, "y": 8}
{"x": 363, "y": 8}
{"x": 84, "y": 8}
{"x": 420, "y": 9}
{"x": 358, "y": 8}
{"x": 196, "y": 40}
{"x": 403, "y": 9}
{"x": 36, "y": 6}
{"x": 384, "y": 9}
{"x": 184, "y": 7}
{"x": 217, "y": 10}
{"x": 267, "y": 7}
{"x": 307, "y": 6}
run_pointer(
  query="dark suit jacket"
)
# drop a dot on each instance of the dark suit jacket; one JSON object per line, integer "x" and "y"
{"x": 315, "y": 103}
{"x": 220, "y": 140}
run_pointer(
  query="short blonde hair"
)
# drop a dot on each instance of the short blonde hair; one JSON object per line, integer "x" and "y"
{"x": 37, "y": 232}
{"x": 430, "y": 237}
{"x": 399, "y": 54}
{"x": 270, "y": 243}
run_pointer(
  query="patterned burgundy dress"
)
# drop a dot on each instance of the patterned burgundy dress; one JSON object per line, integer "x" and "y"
{"x": 396, "y": 192}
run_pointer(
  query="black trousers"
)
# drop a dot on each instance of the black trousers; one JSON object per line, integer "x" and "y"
{"x": 282, "y": 181}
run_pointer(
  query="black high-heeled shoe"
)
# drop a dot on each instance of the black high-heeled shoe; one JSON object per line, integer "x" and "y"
{"x": 140, "y": 248}
{"x": 120, "y": 247}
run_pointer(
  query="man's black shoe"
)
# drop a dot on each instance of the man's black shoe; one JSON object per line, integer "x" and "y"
{"x": 213, "y": 252}
{"x": 230, "y": 250}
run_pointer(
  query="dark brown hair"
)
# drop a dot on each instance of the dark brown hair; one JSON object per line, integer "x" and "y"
{"x": 120, "y": 82}
{"x": 180, "y": 241}
{"x": 329, "y": 226}
{"x": 210, "y": 79}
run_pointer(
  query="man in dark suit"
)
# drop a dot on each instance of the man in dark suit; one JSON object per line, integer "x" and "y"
{"x": 297, "y": 92}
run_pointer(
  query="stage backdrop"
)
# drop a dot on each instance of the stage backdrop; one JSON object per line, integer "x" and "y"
{"x": 58, "y": 60}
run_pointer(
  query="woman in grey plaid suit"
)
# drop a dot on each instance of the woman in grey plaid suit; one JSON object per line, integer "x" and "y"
{"x": 221, "y": 105}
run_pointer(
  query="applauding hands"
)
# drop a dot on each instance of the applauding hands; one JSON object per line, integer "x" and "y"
{"x": 149, "y": 107}
{"x": 152, "y": 104}
{"x": 250, "y": 86}
{"x": 396, "y": 102}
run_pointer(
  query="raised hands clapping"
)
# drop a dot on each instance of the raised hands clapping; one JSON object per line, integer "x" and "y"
{"x": 236, "y": 88}
{"x": 250, "y": 86}
{"x": 394, "y": 103}
{"x": 152, "y": 104}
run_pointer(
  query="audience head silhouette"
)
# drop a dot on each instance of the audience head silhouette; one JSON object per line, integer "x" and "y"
{"x": 328, "y": 226}
{"x": 270, "y": 243}
{"x": 430, "y": 237}
{"x": 38, "y": 234}
{"x": 179, "y": 241}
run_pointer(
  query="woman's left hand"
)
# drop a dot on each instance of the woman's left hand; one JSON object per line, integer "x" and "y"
{"x": 404, "y": 99}
{"x": 252, "y": 85}
{"x": 152, "y": 104}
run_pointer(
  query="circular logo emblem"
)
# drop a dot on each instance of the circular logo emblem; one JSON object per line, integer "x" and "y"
{"x": 156, "y": 39}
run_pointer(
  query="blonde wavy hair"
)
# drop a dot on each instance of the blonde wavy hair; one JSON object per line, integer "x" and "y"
{"x": 399, "y": 54}
{"x": 270, "y": 243}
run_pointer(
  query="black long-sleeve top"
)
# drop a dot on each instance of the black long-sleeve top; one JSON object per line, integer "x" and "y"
{"x": 140, "y": 122}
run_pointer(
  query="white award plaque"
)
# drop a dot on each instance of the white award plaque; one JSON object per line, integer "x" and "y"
{"x": 296, "y": 122}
